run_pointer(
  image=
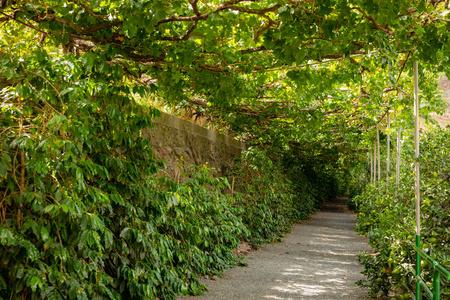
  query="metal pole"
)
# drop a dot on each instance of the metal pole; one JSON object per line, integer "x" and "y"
{"x": 378, "y": 149}
{"x": 416, "y": 144}
{"x": 388, "y": 144}
{"x": 436, "y": 284}
{"x": 374, "y": 163}
{"x": 417, "y": 171}
{"x": 397, "y": 171}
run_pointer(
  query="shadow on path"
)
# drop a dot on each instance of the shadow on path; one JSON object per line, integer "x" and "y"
{"x": 316, "y": 261}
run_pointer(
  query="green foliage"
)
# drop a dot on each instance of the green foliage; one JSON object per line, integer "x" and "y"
{"x": 275, "y": 193}
{"x": 257, "y": 68}
{"x": 389, "y": 220}
{"x": 267, "y": 200}
{"x": 357, "y": 181}
{"x": 313, "y": 183}
{"x": 82, "y": 213}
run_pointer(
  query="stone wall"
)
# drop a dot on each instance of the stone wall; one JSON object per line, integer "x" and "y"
{"x": 174, "y": 139}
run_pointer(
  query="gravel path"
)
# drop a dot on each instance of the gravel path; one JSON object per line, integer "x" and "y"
{"x": 316, "y": 261}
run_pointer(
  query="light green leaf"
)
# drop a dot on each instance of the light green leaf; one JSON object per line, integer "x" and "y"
{"x": 34, "y": 282}
{"x": 44, "y": 233}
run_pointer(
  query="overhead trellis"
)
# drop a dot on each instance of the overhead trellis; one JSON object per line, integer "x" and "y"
{"x": 309, "y": 72}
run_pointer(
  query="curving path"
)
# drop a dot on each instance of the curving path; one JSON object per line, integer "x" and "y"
{"x": 316, "y": 261}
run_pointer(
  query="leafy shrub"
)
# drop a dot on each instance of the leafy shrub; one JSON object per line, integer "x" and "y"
{"x": 389, "y": 221}
{"x": 356, "y": 183}
{"x": 82, "y": 212}
{"x": 265, "y": 197}
{"x": 277, "y": 193}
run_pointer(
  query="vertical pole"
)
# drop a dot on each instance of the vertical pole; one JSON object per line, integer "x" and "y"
{"x": 397, "y": 171}
{"x": 436, "y": 284}
{"x": 371, "y": 165}
{"x": 388, "y": 144}
{"x": 374, "y": 163}
{"x": 418, "y": 293}
{"x": 378, "y": 150}
{"x": 417, "y": 171}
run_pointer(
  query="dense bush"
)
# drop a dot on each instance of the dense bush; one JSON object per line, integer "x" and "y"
{"x": 312, "y": 184}
{"x": 265, "y": 195}
{"x": 82, "y": 213}
{"x": 277, "y": 192}
{"x": 389, "y": 220}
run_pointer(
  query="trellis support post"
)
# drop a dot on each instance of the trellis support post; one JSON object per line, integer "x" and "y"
{"x": 378, "y": 153}
{"x": 397, "y": 167}
{"x": 388, "y": 144}
{"x": 374, "y": 163}
{"x": 417, "y": 172}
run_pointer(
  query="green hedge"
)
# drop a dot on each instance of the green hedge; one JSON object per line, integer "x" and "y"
{"x": 83, "y": 214}
{"x": 389, "y": 221}
{"x": 277, "y": 193}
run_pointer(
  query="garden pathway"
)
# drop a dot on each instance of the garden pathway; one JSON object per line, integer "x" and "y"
{"x": 316, "y": 261}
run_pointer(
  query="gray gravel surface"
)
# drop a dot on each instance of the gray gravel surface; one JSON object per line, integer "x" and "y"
{"x": 316, "y": 261}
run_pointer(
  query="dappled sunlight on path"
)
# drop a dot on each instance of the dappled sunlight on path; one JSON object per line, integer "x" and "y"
{"x": 316, "y": 261}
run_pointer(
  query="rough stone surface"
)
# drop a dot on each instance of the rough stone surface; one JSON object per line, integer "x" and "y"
{"x": 316, "y": 261}
{"x": 174, "y": 139}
